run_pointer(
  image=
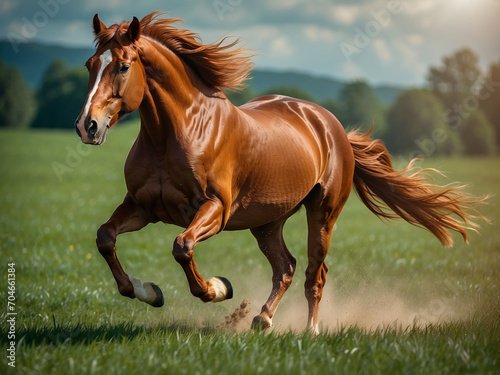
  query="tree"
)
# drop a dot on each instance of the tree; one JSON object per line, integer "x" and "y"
{"x": 455, "y": 81}
{"x": 359, "y": 107}
{"x": 61, "y": 96}
{"x": 478, "y": 135}
{"x": 489, "y": 96}
{"x": 416, "y": 125}
{"x": 17, "y": 101}
{"x": 330, "y": 104}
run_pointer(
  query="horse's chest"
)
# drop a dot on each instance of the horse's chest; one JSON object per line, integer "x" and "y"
{"x": 165, "y": 195}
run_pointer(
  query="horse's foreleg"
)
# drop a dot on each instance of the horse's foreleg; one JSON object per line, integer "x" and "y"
{"x": 271, "y": 243}
{"x": 127, "y": 217}
{"x": 206, "y": 223}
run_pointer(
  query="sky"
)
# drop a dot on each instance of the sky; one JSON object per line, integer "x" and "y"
{"x": 384, "y": 42}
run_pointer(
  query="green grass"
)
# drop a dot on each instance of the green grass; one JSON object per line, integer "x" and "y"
{"x": 395, "y": 301}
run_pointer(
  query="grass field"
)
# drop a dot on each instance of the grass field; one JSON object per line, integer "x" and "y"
{"x": 395, "y": 301}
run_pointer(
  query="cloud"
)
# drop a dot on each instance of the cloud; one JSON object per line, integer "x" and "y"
{"x": 109, "y": 5}
{"x": 7, "y": 6}
{"x": 415, "y": 39}
{"x": 420, "y": 7}
{"x": 281, "y": 46}
{"x": 295, "y": 34}
{"x": 344, "y": 14}
{"x": 316, "y": 33}
{"x": 409, "y": 57}
{"x": 382, "y": 50}
{"x": 284, "y": 4}
{"x": 352, "y": 71}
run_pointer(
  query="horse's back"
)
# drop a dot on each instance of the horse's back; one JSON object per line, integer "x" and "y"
{"x": 296, "y": 112}
{"x": 294, "y": 145}
{"x": 305, "y": 124}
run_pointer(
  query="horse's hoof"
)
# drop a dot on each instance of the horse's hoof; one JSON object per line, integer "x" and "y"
{"x": 261, "y": 323}
{"x": 159, "y": 300}
{"x": 147, "y": 292}
{"x": 228, "y": 286}
{"x": 222, "y": 287}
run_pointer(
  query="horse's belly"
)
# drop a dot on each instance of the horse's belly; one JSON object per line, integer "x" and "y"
{"x": 256, "y": 215}
{"x": 271, "y": 197}
{"x": 279, "y": 180}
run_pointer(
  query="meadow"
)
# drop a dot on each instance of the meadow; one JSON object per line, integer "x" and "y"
{"x": 395, "y": 300}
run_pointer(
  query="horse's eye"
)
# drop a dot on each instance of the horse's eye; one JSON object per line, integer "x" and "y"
{"x": 124, "y": 68}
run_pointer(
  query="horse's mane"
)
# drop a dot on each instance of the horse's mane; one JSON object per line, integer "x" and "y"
{"x": 217, "y": 64}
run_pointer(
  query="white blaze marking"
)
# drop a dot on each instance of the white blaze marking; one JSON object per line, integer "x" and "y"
{"x": 105, "y": 59}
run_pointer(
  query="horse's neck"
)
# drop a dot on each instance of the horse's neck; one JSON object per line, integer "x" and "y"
{"x": 157, "y": 122}
{"x": 172, "y": 101}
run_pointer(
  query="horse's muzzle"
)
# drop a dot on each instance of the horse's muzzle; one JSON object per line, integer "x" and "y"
{"x": 91, "y": 133}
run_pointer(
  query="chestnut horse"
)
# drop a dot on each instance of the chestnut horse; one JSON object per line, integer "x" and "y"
{"x": 203, "y": 164}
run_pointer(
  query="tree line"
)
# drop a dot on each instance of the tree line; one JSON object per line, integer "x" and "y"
{"x": 457, "y": 112}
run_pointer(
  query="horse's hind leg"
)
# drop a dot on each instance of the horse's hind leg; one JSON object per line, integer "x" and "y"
{"x": 320, "y": 220}
{"x": 127, "y": 217}
{"x": 271, "y": 243}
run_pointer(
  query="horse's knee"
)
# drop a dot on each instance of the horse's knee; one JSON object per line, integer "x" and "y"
{"x": 182, "y": 250}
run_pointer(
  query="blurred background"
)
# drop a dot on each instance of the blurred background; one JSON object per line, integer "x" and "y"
{"x": 425, "y": 73}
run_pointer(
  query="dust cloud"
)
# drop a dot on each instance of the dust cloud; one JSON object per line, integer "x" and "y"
{"x": 369, "y": 307}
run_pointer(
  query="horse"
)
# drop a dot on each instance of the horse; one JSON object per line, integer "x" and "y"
{"x": 205, "y": 165}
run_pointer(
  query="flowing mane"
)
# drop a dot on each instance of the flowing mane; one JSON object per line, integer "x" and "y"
{"x": 218, "y": 65}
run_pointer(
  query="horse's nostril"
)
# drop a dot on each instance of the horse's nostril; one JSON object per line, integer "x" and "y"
{"x": 92, "y": 129}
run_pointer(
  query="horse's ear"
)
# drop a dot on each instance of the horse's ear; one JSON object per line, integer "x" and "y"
{"x": 134, "y": 30}
{"x": 98, "y": 25}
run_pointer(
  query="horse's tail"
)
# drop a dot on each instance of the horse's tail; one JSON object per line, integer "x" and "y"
{"x": 409, "y": 196}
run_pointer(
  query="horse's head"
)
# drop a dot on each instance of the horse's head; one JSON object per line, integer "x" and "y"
{"x": 116, "y": 80}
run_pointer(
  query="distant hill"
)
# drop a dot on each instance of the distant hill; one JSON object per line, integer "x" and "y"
{"x": 34, "y": 58}
{"x": 318, "y": 87}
